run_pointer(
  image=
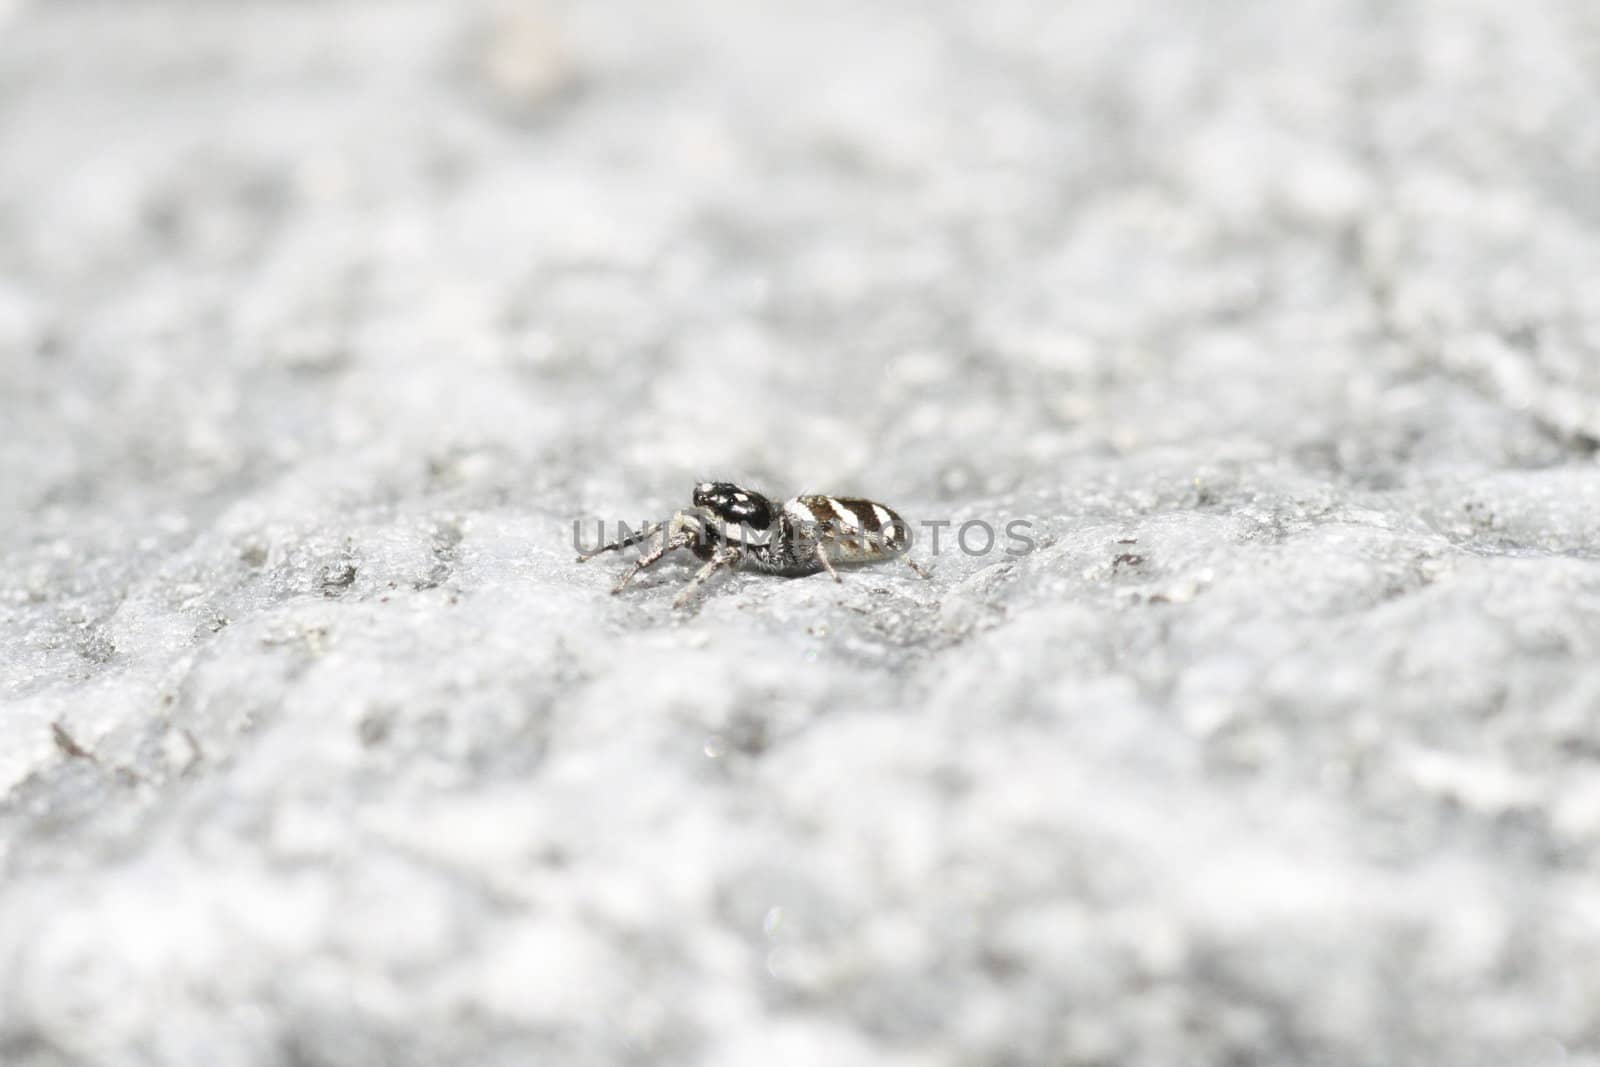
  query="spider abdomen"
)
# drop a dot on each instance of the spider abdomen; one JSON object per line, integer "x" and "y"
{"x": 850, "y": 529}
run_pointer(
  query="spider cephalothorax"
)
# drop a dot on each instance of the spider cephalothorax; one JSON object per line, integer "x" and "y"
{"x": 732, "y": 504}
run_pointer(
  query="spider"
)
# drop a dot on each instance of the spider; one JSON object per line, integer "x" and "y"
{"x": 729, "y": 525}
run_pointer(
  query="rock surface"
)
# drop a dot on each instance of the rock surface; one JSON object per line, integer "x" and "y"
{"x": 1280, "y": 323}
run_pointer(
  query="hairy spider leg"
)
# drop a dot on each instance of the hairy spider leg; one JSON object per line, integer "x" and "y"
{"x": 726, "y": 557}
{"x": 633, "y": 538}
{"x": 652, "y": 557}
{"x": 827, "y": 565}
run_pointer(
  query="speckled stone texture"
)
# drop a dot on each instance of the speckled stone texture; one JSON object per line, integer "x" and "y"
{"x": 321, "y": 322}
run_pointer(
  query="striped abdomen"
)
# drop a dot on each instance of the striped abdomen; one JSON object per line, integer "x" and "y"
{"x": 851, "y": 530}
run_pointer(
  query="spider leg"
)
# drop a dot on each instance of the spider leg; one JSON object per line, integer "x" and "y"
{"x": 652, "y": 557}
{"x": 914, "y": 565}
{"x": 827, "y": 564}
{"x": 728, "y": 557}
{"x": 633, "y": 538}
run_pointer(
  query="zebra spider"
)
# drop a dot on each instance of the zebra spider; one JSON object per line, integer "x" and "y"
{"x": 730, "y": 525}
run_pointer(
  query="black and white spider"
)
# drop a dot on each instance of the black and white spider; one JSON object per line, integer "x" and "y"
{"x": 730, "y": 525}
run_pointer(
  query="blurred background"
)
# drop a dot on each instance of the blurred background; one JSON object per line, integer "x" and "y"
{"x": 321, "y": 320}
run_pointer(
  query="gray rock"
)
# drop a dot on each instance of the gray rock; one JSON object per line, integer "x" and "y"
{"x": 1278, "y": 324}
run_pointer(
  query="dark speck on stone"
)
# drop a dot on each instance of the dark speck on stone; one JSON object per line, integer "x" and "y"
{"x": 338, "y": 578}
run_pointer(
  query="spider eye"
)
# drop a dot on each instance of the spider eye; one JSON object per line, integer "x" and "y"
{"x": 712, "y": 492}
